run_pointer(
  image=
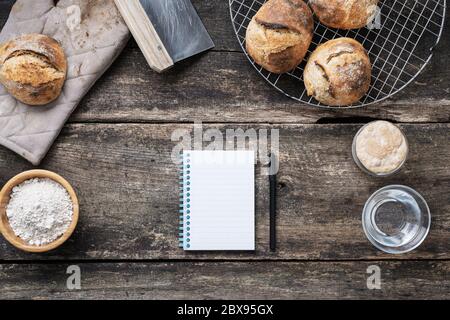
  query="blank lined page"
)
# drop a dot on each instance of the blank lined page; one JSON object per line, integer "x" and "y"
{"x": 219, "y": 200}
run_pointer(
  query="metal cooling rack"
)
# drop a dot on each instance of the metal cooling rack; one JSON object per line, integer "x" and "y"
{"x": 399, "y": 50}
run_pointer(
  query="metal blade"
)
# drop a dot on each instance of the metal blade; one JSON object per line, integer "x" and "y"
{"x": 179, "y": 27}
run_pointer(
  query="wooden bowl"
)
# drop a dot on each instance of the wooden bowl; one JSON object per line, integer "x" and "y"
{"x": 5, "y": 228}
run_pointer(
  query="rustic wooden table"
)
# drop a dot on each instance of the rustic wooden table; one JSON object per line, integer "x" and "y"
{"x": 116, "y": 148}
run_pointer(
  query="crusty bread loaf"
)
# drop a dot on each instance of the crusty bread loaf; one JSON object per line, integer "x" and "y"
{"x": 345, "y": 14}
{"x": 338, "y": 73}
{"x": 279, "y": 35}
{"x": 33, "y": 68}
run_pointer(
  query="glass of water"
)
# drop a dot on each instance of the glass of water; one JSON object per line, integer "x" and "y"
{"x": 396, "y": 219}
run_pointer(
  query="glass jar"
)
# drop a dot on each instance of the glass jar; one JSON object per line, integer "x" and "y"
{"x": 367, "y": 170}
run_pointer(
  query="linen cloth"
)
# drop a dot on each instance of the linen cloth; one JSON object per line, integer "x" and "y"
{"x": 92, "y": 33}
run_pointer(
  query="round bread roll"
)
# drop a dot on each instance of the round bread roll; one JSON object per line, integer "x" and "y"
{"x": 345, "y": 14}
{"x": 33, "y": 68}
{"x": 279, "y": 35}
{"x": 338, "y": 72}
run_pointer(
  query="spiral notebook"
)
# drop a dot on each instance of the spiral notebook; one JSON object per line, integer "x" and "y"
{"x": 217, "y": 200}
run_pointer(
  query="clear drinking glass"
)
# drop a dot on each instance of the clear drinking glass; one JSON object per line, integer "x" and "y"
{"x": 396, "y": 219}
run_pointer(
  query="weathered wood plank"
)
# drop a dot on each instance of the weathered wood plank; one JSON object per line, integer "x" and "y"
{"x": 233, "y": 280}
{"x": 223, "y": 87}
{"x": 127, "y": 187}
{"x": 214, "y": 14}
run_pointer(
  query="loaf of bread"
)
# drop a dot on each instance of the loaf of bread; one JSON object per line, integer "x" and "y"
{"x": 345, "y": 14}
{"x": 33, "y": 68}
{"x": 279, "y": 35}
{"x": 338, "y": 73}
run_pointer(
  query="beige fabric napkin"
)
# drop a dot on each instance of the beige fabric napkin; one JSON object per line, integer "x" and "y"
{"x": 92, "y": 34}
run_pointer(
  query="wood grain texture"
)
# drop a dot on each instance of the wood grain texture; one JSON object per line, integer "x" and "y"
{"x": 221, "y": 86}
{"x": 233, "y": 280}
{"x": 126, "y": 184}
{"x": 127, "y": 188}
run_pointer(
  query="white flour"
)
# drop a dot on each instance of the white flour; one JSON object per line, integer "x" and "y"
{"x": 39, "y": 211}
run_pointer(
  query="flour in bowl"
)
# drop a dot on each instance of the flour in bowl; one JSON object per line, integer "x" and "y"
{"x": 39, "y": 211}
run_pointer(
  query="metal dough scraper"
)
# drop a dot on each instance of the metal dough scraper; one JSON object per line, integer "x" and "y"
{"x": 167, "y": 31}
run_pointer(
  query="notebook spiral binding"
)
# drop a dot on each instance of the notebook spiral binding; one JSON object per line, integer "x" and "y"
{"x": 185, "y": 194}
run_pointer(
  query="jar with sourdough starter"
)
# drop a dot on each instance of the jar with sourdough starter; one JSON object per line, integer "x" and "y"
{"x": 380, "y": 148}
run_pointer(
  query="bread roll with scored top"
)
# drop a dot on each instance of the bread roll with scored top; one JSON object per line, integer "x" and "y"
{"x": 338, "y": 72}
{"x": 33, "y": 68}
{"x": 345, "y": 14}
{"x": 279, "y": 35}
